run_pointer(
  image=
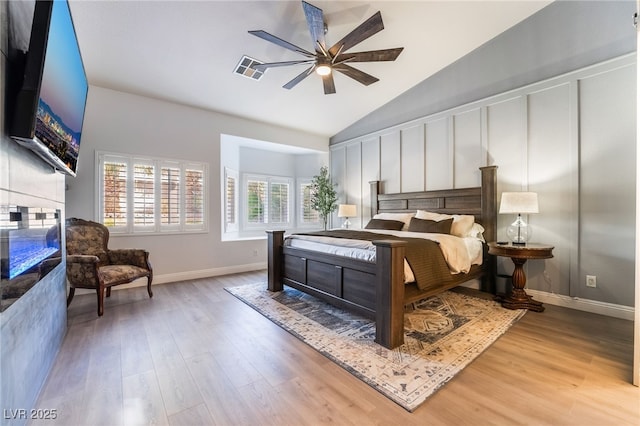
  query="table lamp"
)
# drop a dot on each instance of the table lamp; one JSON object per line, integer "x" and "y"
{"x": 519, "y": 203}
{"x": 346, "y": 211}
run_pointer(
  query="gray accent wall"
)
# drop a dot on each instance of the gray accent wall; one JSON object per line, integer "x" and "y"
{"x": 31, "y": 329}
{"x": 558, "y": 118}
{"x": 562, "y": 37}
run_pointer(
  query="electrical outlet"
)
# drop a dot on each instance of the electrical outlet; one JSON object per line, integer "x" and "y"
{"x": 255, "y": 253}
{"x": 591, "y": 281}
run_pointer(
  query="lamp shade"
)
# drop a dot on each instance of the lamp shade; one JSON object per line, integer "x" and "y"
{"x": 347, "y": 210}
{"x": 519, "y": 202}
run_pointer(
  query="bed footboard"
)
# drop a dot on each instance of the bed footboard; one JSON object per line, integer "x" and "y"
{"x": 390, "y": 293}
{"x": 375, "y": 290}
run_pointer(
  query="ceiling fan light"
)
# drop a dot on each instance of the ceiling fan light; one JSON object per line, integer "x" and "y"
{"x": 323, "y": 69}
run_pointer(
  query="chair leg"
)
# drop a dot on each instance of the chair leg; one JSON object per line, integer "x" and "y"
{"x": 149, "y": 287}
{"x": 100, "y": 291}
{"x": 108, "y": 291}
{"x": 72, "y": 291}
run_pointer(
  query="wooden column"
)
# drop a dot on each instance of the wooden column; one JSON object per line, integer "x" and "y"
{"x": 489, "y": 219}
{"x": 390, "y": 293}
{"x": 275, "y": 241}
{"x": 374, "y": 186}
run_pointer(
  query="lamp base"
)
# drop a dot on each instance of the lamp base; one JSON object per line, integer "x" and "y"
{"x": 519, "y": 232}
{"x": 346, "y": 224}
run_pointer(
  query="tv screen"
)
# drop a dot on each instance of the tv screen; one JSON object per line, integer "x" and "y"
{"x": 51, "y": 103}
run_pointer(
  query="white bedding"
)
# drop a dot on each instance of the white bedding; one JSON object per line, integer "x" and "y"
{"x": 459, "y": 253}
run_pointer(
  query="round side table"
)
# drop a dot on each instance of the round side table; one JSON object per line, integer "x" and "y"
{"x": 519, "y": 299}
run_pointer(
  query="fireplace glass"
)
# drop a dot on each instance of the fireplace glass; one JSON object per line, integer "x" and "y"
{"x": 30, "y": 242}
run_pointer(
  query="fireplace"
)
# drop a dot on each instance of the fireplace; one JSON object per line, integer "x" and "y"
{"x": 30, "y": 247}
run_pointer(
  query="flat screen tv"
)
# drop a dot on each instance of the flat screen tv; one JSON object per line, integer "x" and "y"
{"x": 50, "y": 104}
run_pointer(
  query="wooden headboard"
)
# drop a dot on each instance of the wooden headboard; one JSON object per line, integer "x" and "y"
{"x": 479, "y": 201}
{"x": 482, "y": 202}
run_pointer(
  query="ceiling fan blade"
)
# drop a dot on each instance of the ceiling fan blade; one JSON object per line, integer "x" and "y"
{"x": 304, "y": 74}
{"x": 362, "y": 32}
{"x": 371, "y": 56}
{"x": 328, "y": 83}
{"x": 263, "y": 67}
{"x": 357, "y": 75}
{"x": 315, "y": 21}
{"x": 280, "y": 42}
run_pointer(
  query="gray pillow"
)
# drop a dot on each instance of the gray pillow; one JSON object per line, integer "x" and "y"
{"x": 431, "y": 226}
{"x": 386, "y": 224}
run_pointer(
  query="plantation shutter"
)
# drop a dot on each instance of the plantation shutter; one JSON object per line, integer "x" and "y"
{"x": 170, "y": 196}
{"x": 231, "y": 203}
{"x": 279, "y": 202}
{"x": 140, "y": 194}
{"x": 114, "y": 199}
{"x": 256, "y": 200}
{"x": 307, "y": 214}
{"x": 143, "y": 195}
{"x": 194, "y": 197}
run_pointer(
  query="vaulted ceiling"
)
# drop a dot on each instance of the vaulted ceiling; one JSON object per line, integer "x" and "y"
{"x": 186, "y": 52}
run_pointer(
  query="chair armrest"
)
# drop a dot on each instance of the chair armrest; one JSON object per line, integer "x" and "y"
{"x": 136, "y": 257}
{"x": 82, "y": 258}
{"x": 82, "y": 271}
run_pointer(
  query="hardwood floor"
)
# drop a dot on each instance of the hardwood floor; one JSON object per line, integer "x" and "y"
{"x": 195, "y": 355}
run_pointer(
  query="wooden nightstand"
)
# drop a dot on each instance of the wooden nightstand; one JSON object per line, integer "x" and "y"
{"x": 519, "y": 299}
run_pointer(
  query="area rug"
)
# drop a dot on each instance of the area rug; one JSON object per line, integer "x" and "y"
{"x": 443, "y": 334}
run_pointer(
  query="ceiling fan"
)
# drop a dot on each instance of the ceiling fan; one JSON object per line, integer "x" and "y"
{"x": 326, "y": 60}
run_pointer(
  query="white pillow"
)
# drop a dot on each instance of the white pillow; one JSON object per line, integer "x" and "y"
{"x": 402, "y": 217}
{"x": 461, "y": 226}
{"x": 476, "y": 232}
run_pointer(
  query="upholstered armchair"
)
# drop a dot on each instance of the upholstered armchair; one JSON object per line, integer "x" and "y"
{"x": 91, "y": 264}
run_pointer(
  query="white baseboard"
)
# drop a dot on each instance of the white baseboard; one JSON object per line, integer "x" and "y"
{"x": 188, "y": 275}
{"x": 593, "y": 306}
{"x": 205, "y": 273}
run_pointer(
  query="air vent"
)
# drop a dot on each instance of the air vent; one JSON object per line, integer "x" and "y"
{"x": 245, "y": 68}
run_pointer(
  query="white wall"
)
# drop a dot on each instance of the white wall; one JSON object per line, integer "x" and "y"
{"x": 571, "y": 139}
{"x": 125, "y": 123}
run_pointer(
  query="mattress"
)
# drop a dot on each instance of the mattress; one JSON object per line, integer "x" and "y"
{"x": 459, "y": 253}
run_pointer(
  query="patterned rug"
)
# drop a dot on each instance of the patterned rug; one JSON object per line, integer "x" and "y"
{"x": 443, "y": 334}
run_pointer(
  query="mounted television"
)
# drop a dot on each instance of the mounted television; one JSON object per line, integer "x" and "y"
{"x": 50, "y": 104}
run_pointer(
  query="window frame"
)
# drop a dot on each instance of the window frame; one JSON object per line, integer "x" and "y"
{"x": 130, "y": 161}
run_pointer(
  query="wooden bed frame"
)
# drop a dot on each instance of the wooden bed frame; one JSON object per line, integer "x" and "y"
{"x": 347, "y": 282}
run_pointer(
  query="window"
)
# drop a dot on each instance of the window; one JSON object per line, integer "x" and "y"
{"x": 194, "y": 196}
{"x": 268, "y": 201}
{"x": 170, "y": 196}
{"x": 230, "y": 200}
{"x": 306, "y": 216}
{"x": 150, "y": 194}
{"x": 143, "y": 195}
{"x": 114, "y": 193}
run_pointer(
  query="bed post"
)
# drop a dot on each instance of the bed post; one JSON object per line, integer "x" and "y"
{"x": 490, "y": 222}
{"x": 375, "y": 190}
{"x": 390, "y": 293}
{"x": 275, "y": 240}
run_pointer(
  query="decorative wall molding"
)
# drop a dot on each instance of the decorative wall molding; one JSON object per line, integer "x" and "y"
{"x": 565, "y": 137}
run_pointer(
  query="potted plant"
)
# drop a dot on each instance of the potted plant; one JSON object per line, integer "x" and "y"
{"x": 323, "y": 195}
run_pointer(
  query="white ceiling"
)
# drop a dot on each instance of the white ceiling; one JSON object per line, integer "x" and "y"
{"x": 186, "y": 51}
